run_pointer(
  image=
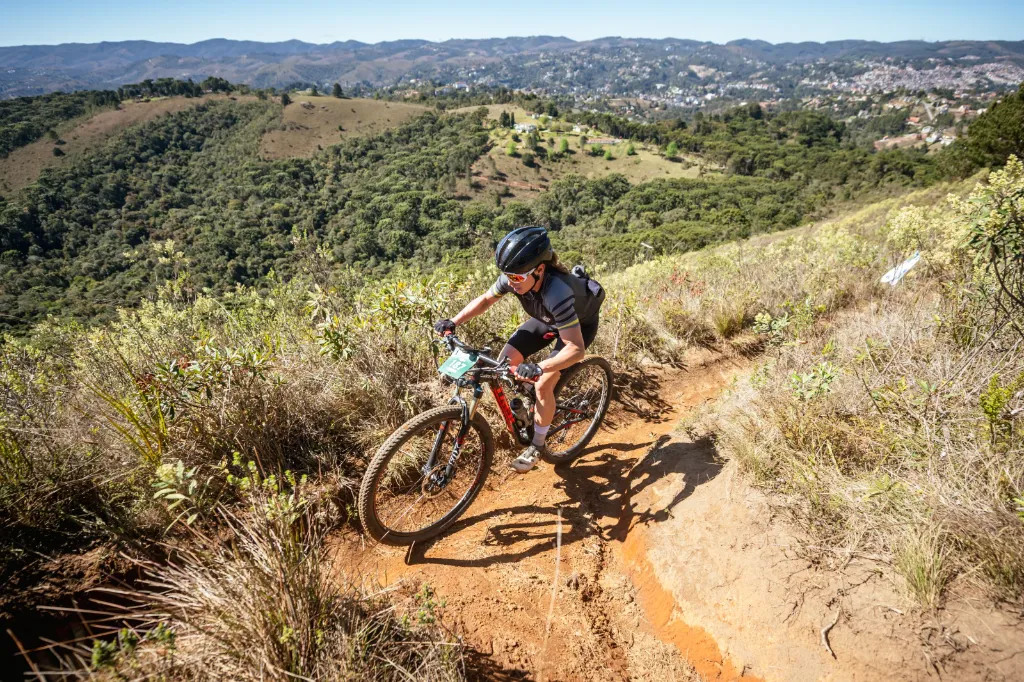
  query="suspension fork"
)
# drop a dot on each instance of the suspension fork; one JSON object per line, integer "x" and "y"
{"x": 468, "y": 412}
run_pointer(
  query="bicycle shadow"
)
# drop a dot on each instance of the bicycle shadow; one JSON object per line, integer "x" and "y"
{"x": 607, "y": 495}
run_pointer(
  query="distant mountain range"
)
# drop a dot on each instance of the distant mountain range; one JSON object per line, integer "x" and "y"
{"x": 36, "y": 69}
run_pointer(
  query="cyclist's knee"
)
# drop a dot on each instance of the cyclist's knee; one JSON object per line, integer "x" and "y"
{"x": 513, "y": 355}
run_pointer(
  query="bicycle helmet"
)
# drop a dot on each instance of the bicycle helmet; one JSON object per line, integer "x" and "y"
{"x": 523, "y": 249}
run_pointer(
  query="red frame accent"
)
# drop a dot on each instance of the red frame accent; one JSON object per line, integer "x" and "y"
{"x": 506, "y": 411}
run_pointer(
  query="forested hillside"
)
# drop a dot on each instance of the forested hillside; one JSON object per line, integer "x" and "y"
{"x": 26, "y": 119}
{"x": 190, "y": 194}
{"x": 191, "y": 188}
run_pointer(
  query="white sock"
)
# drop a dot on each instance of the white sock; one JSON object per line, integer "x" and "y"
{"x": 539, "y": 434}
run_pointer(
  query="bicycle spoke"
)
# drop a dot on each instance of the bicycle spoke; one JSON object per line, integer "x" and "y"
{"x": 406, "y": 506}
{"x": 583, "y": 396}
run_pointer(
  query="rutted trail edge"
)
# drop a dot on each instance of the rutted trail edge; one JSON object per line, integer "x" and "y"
{"x": 670, "y": 568}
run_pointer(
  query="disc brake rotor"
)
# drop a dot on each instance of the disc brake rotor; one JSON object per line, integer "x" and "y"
{"x": 435, "y": 481}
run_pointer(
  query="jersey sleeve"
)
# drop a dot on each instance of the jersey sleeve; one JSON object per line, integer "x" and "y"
{"x": 561, "y": 303}
{"x": 500, "y": 287}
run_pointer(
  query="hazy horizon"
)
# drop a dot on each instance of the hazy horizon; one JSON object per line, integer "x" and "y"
{"x": 513, "y": 37}
{"x": 56, "y": 22}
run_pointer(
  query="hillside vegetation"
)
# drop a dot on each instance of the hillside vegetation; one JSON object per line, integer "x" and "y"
{"x": 79, "y": 136}
{"x": 892, "y": 429}
{"x": 887, "y": 416}
{"x": 209, "y": 344}
{"x": 102, "y": 231}
{"x": 26, "y": 119}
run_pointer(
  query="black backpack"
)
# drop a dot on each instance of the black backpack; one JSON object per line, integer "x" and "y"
{"x": 594, "y": 288}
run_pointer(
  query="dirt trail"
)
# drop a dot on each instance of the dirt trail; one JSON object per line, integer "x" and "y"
{"x": 670, "y": 569}
{"x": 494, "y": 567}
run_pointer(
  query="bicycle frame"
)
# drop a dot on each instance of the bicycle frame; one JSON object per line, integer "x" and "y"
{"x": 475, "y": 380}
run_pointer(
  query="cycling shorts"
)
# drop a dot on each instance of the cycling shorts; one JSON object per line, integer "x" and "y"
{"x": 533, "y": 335}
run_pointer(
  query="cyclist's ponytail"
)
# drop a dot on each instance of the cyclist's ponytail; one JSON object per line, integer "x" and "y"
{"x": 555, "y": 265}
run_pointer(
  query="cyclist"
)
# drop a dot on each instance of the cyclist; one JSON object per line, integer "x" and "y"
{"x": 560, "y": 304}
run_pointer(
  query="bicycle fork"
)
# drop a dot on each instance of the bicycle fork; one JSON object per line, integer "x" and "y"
{"x": 442, "y": 478}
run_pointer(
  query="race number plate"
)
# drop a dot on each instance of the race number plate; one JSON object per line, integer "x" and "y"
{"x": 458, "y": 364}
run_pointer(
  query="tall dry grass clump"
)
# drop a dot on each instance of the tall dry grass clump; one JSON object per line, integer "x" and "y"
{"x": 137, "y": 434}
{"x": 262, "y": 606}
{"x": 657, "y": 310}
{"x": 894, "y": 431}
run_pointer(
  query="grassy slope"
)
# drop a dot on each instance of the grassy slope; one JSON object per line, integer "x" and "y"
{"x": 304, "y": 131}
{"x": 511, "y": 177}
{"x": 268, "y": 375}
{"x": 23, "y": 166}
{"x": 881, "y": 417}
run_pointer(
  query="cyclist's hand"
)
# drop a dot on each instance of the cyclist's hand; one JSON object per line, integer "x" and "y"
{"x": 444, "y": 327}
{"x": 529, "y": 370}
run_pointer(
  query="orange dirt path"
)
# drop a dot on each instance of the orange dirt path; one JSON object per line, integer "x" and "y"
{"x": 494, "y": 567}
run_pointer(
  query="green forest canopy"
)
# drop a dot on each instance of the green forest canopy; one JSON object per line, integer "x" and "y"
{"x": 189, "y": 192}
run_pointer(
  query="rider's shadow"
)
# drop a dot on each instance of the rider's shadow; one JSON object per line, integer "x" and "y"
{"x": 607, "y": 495}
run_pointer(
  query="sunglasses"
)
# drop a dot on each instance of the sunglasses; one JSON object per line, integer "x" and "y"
{"x": 517, "y": 278}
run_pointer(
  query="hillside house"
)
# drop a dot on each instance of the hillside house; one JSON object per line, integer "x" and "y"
{"x": 526, "y": 128}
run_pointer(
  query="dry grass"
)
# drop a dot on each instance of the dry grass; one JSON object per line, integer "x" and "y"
{"x": 261, "y": 607}
{"x": 886, "y": 428}
{"x": 306, "y": 130}
{"x": 22, "y": 166}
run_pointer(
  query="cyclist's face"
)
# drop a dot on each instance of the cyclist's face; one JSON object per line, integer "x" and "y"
{"x": 528, "y": 283}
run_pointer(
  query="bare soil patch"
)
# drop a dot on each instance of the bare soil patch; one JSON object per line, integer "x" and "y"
{"x": 23, "y": 166}
{"x": 495, "y": 568}
{"x": 672, "y": 568}
{"x": 310, "y": 124}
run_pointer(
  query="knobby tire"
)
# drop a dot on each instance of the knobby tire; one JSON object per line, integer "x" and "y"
{"x": 554, "y": 454}
{"x": 418, "y": 426}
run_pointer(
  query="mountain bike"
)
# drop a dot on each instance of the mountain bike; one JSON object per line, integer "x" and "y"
{"x": 429, "y": 471}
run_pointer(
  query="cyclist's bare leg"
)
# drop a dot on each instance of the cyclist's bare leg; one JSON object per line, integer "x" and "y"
{"x": 515, "y": 358}
{"x": 545, "y": 390}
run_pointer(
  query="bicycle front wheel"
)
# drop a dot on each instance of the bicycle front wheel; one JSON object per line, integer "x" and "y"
{"x": 582, "y": 396}
{"x": 406, "y": 498}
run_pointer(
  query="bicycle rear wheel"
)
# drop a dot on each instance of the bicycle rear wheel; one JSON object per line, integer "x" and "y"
{"x": 400, "y": 502}
{"x": 582, "y": 396}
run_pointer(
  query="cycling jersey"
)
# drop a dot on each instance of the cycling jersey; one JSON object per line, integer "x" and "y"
{"x": 563, "y": 301}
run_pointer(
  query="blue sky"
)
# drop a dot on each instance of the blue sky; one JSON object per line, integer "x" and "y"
{"x": 28, "y": 22}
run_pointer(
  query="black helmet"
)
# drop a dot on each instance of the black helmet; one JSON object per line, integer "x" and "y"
{"x": 523, "y": 249}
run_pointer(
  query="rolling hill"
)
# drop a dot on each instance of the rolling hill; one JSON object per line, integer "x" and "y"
{"x": 36, "y": 69}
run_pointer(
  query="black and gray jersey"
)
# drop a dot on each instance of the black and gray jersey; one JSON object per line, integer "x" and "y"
{"x": 563, "y": 301}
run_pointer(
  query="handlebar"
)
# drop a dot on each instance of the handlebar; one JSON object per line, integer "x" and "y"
{"x": 453, "y": 342}
{"x": 499, "y": 367}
